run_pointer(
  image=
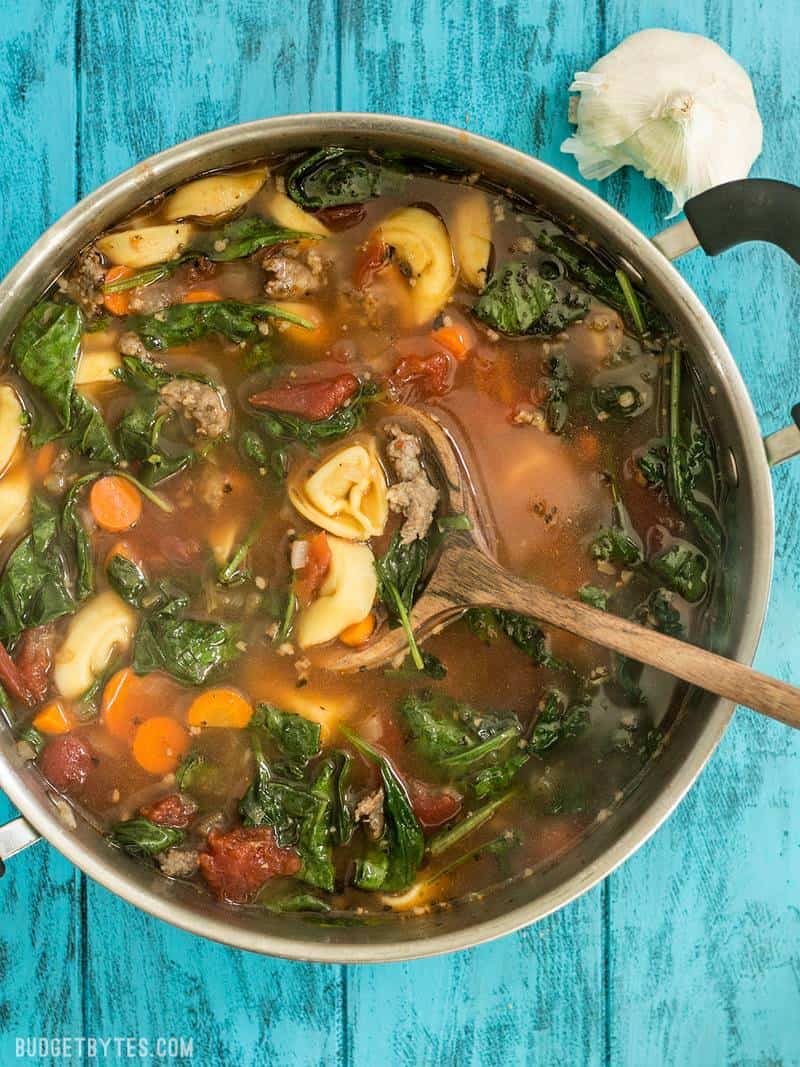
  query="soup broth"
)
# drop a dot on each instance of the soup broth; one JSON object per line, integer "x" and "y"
{"x": 205, "y": 483}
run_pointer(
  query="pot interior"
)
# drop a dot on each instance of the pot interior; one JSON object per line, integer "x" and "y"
{"x": 738, "y": 613}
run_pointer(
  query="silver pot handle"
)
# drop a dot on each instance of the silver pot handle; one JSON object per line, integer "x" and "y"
{"x": 14, "y": 837}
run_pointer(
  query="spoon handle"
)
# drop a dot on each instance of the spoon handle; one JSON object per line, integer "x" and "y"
{"x": 482, "y": 582}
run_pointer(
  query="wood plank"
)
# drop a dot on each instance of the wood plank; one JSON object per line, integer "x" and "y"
{"x": 153, "y": 75}
{"x": 39, "y": 960}
{"x": 147, "y": 83}
{"x": 537, "y": 996}
{"x": 704, "y": 959}
{"x": 534, "y": 997}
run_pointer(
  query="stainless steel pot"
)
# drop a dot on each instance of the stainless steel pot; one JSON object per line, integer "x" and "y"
{"x": 746, "y": 461}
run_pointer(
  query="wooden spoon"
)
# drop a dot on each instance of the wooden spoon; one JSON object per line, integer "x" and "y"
{"x": 465, "y": 576}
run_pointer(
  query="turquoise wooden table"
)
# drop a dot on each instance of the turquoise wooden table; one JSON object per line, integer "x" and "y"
{"x": 688, "y": 955}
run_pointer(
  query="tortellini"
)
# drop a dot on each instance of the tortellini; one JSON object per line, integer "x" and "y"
{"x": 345, "y": 596}
{"x": 214, "y": 196}
{"x": 146, "y": 246}
{"x": 103, "y": 627}
{"x": 11, "y": 420}
{"x": 15, "y": 501}
{"x": 283, "y": 210}
{"x": 97, "y": 366}
{"x": 471, "y": 230}
{"x": 422, "y": 246}
{"x": 346, "y": 495}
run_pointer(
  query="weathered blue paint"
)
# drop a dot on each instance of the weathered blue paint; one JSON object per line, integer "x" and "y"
{"x": 690, "y": 954}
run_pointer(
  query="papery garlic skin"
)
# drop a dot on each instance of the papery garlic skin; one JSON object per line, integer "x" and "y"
{"x": 674, "y": 106}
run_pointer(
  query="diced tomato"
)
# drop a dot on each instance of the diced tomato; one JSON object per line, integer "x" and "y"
{"x": 66, "y": 762}
{"x": 11, "y": 679}
{"x": 238, "y": 863}
{"x": 34, "y": 658}
{"x": 416, "y": 377}
{"x": 311, "y": 576}
{"x": 174, "y": 810}
{"x": 432, "y": 804}
{"x": 373, "y": 257}
{"x": 341, "y": 216}
{"x": 314, "y": 399}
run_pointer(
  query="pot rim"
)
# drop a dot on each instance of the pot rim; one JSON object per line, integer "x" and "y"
{"x": 639, "y": 250}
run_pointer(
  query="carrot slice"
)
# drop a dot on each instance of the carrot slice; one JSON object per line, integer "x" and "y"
{"x": 457, "y": 339}
{"x": 129, "y": 699}
{"x": 118, "y": 303}
{"x": 43, "y": 460}
{"x": 54, "y": 718}
{"x": 159, "y": 744}
{"x": 115, "y": 503}
{"x": 220, "y": 707}
{"x": 359, "y": 632}
{"x": 201, "y": 296}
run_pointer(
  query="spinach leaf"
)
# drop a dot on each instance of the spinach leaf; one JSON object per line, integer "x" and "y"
{"x": 399, "y": 572}
{"x": 296, "y": 737}
{"x": 432, "y": 667}
{"x": 89, "y": 434}
{"x": 295, "y": 902}
{"x": 461, "y": 741}
{"x": 127, "y": 579}
{"x": 491, "y": 623}
{"x": 498, "y": 776}
{"x": 657, "y": 613}
{"x": 274, "y": 801}
{"x": 283, "y": 426}
{"x": 302, "y": 816}
{"x": 45, "y": 351}
{"x": 690, "y": 456}
{"x": 183, "y": 323}
{"x": 314, "y": 842}
{"x": 193, "y": 651}
{"x": 683, "y": 569}
{"x": 594, "y": 596}
{"x": 140, "y": 429}
{"x": 619, "y": 543}
{"x": 76, "y": 533}
{"x": 402, "y": 842}
{"x": 33, "y": 586}
{"x": 334, "y": 176}
{"x": 29, "y": 734}
{"x": 515, "y": 300}
{"x": 556, "y": 386}
{"x": 445, "y": 839}
{"x": 557, "y": 721}
{"x": 196, "y": 774}
{"x": 344, "y": 819}
{"x": 617, "y": 401}
{"x": 235, "y": 570}
{"x": 140, "y": 837}
{"x": 612, "y": 544}
{"x": 653, "y": 464}
{"x": 243, "y": 236}
{"x": 585, "y": 267}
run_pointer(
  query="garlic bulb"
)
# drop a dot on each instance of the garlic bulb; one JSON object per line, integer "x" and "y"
{"x": 673, "y": 105}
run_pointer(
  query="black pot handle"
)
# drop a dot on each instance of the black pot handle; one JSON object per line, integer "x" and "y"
{"x": 753, "y": 209}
